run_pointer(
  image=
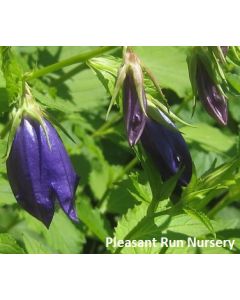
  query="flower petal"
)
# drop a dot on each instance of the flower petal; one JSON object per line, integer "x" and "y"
{"x": 39, "y": 174}
{"x": 28, "y": 181}
{"x": 64, "y": 179}
{"x": 134, "y": 116}
{"x": 168, "y": 151}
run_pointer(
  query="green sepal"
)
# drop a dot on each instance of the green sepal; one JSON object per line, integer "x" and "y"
{"x": 17, "y": 117}
{"x": 120, "y": 78}
{"x": 156, "y": 114}
{"x": 192, "y": 71}
{"x": 165, "y": 110}
{"x": 155, "y": 83}
{"x": 27, "y": 107}
{"x": 138, "y": 80}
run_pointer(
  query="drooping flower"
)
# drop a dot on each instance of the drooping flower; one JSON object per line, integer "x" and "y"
{"x": 40, "y": 171}
{"x": 211, "y": 97}
{"x": 130, "y": 79}
{"x": 168, "y": 150}
{"x": 134, "y": 116}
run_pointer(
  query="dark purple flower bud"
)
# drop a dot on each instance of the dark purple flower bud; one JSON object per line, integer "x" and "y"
{"x": 40, "y": 171}
{"x": 134, "y": 116}
{"x": 212, "y": 99}
{"x": 168, "y": 151}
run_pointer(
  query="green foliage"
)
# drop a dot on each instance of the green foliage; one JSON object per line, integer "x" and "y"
{"x": 121, "y": 194}
{"x": 8, "y": 245}
{"x": 12, "y": 74}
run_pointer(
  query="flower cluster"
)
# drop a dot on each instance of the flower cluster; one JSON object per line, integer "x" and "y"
{"x": 162, "y": 142}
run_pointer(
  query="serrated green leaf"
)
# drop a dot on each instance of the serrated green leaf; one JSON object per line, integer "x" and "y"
{"x": 138, "y": 224}
{"x": 93, "y": 219}
{"x": 202, "y": 217}
{"x": 12, "y": 73}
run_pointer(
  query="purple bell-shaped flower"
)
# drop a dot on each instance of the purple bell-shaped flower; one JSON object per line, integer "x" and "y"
{"x": 40, "y": 171}
{"x": 168, "y": 150}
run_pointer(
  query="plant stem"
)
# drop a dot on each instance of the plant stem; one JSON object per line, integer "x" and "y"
{"x": 107, "y": 125}
{"x": 68, "y": 62}
{"x": 126, "y": 169}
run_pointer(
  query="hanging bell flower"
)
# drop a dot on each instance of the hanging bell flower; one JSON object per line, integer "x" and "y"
{"x": 38, "y": 166}
{"x": 167, "y": 149}
{"x": 207, "y": 77}
{"x": 130, "y": 79}
{"x": 211, "y": 97}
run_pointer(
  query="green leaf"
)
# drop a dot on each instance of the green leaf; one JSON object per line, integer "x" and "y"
{"x": 3, "y": 95}
{"x": 202, "y": 217}
{"x": 208, "y": 137}
{"x": 6, "y": 195}
{"x": 99, "y": 178}
{"x": 106, "y": 69}
{"x": 233, "y": 104}
{"x": 233, "y": 80}
{"x": 12, "y": 73}
{"x": 168, "y": 64}
{"x": 152, "y": 173}
{"x": 120, "y": 198}
{"x": 86, "y": 91}
{"x": 211, "y": 185}
{"x": 93, "y": 219}
{"x": 139, "y": 224}
{"x": 8, "y": 245}
{"x": 62, "y": 237}
{"x": 141, "y": 189}
{"x": 127, "y": 228}
{"x": 33, "y": 246}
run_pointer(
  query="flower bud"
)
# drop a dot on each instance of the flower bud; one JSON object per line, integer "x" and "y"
{"x": 40, "y": 171}
{"x": 134, "y": 116}
{"x": 168, "y": 150}
{"x": 130, "y": 79}
{"x": 211, "y": 97}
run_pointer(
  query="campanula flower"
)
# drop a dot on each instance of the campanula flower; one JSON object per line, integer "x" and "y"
{"x": 211, "y": 97}
{"x": 40, "y": 171}
{"x": 130, "y": 80}
{"x": 167, "y": 149}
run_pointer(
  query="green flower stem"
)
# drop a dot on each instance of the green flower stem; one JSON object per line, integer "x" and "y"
{"x": 107, "y": 126}
{"x": 126, "y": 169}
{"x": 67, "y": 62}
